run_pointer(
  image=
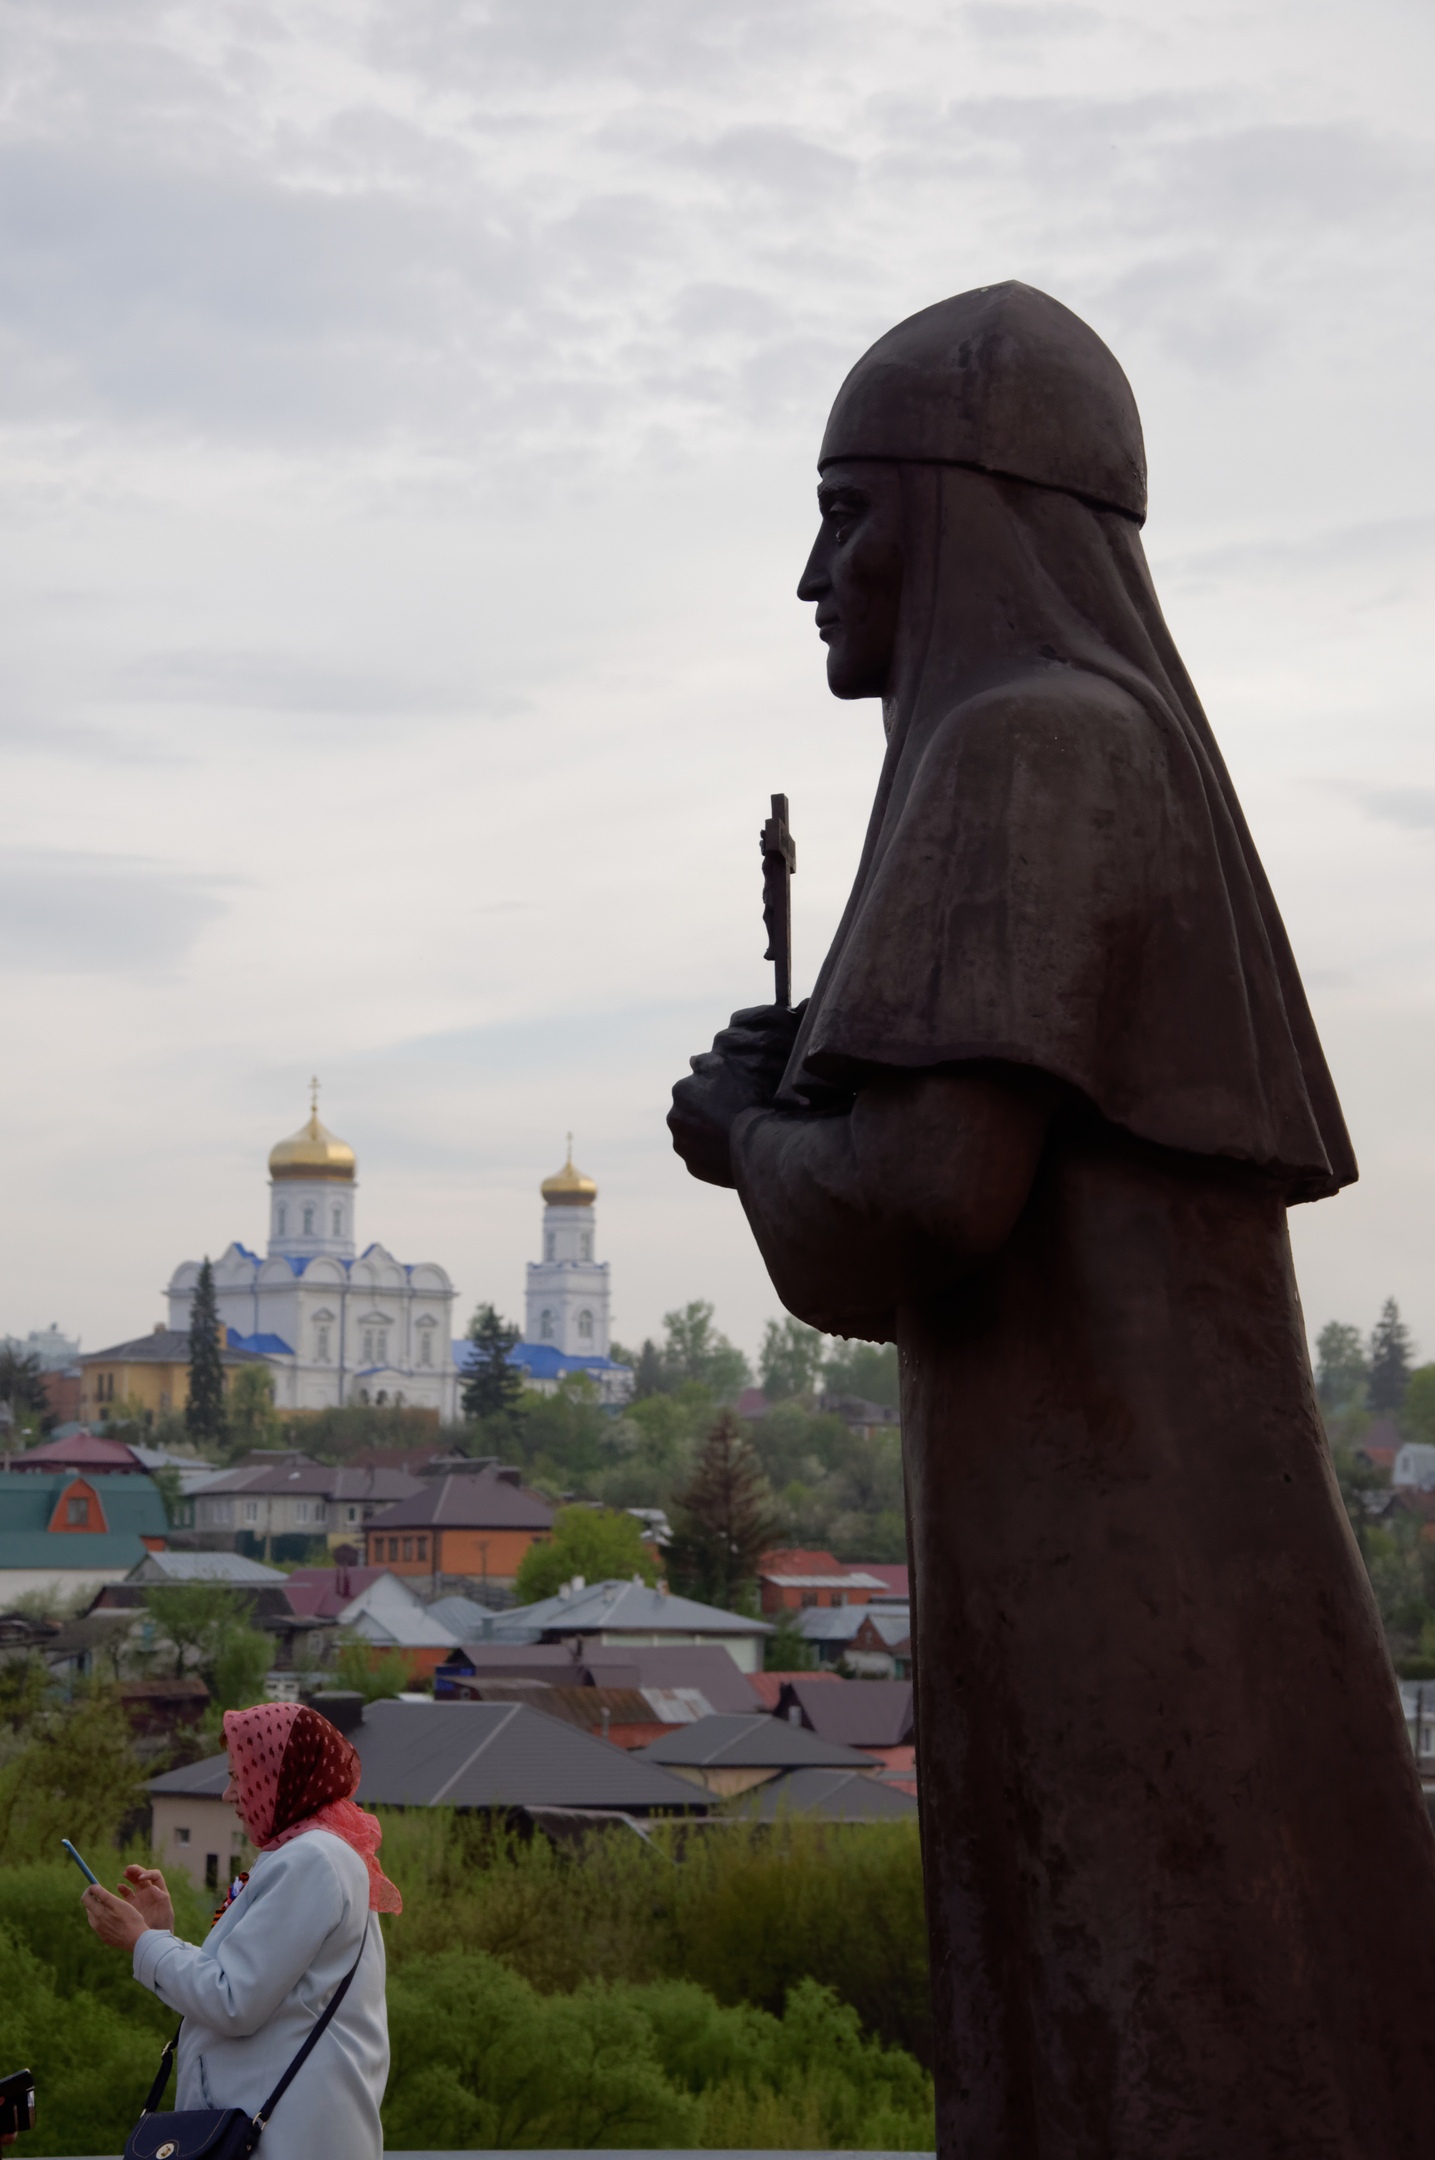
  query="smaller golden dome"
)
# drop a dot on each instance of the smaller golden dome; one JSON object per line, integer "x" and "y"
{"x": 313, "y": 1152}
{"x": 568, "y": 1187}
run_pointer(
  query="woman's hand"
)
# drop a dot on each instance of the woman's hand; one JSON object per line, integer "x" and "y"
{"x": 115, "y": 1922}
{"x": 148, "y": 1892}
{"x": 742, "y": 1071}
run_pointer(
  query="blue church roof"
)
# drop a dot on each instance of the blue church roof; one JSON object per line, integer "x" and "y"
{"x": 540, "y": 1360}
{"x": 263, "y": 1345}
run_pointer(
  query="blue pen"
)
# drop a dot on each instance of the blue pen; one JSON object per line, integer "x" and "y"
{"x": 82, "y": 1865}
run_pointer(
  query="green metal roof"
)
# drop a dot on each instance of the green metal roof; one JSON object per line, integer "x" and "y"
{"x": 134, "y": 1510}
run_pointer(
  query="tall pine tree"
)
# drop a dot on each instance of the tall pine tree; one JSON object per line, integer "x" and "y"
{"x": 1389, "y": 1360}
{"x": 204, "y": 1412}
{"x": 724, "y": 1519}
{"x": 492, "y": 1384}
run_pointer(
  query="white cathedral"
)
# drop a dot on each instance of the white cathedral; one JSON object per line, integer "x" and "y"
{"x": 339, "y": 1326}
{"x": 336, "y": 1325}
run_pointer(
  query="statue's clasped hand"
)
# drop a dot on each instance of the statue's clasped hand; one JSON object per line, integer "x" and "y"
{"x": 742, "y": 1071}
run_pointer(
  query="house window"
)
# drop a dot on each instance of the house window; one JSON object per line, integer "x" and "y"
{"x": 809, "y": 1597}
{"x": 181, "y": 1837}
{"x": 585, "y": 1244}
{"x": 308, "y": 1222}
{"x": 1427, "y": 1740}
{"x": 352, "y": 1515}
{"x": 838, "y": 1597}
{"x": 321, "y": 1344}
{"x": 423, "y": 1548}
{"x": 282, "y": 1219}
{"x": 301, "y": 1511}
{"x": 251, "y": 1511}
{"x": 585, "y": 1326}
{"x": 393, "y": 1548}
{"x": 338, "y": 1222}
{"x": 545, "y": 1326}
{"x": 408, "y": 1548}
{"x": 77, "y": 1514}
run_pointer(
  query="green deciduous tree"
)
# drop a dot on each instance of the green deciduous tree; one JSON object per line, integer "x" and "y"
{"x": 204, "y": 1411}
{"x": 787, "y": 1649}
{"x": 493, "y": 1385}
{"x": 22, "y": 1391}
{"x": 376, "y": 1677}
{"x": 253, "y": 1420}
{"x": 694, "y": 1350}
{"x": 791, "y": 1360}
{"x": 206, "y": 1628}
{"x": 1341, "y": 1368}
{"x": 1389, "y": 1360}
{"x": 596, "y": 1543}
{"x": 77, "y": 1776}
{"x": 866, "y": 1370}
{"x": 724, "y": 1519}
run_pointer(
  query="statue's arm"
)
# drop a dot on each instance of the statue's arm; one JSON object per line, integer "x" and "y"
{"x": 858, "y": 1215}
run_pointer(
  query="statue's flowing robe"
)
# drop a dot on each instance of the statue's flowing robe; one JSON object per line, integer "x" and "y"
{"x": 1180, "y": 1878}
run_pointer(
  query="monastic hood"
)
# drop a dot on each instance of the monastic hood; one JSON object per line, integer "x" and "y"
{"x": 1005, "y": 379}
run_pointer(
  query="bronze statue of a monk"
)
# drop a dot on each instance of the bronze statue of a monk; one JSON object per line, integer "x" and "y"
{"x": 1039, "y": 1125}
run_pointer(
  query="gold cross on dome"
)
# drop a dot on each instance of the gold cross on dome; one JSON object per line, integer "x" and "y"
{"x": 314, "y": 1093}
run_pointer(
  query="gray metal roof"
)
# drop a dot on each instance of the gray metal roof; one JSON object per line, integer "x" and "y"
{"x": 478, "y": 1755}
{"x": 829, "y": 1795}
{"x": 705, "y": 1666}
{"x": 485, "y": 1501}
{"x": 758, "y": 1742}
{"x": 859, "y": 1713}
{"x": 160, "y": 1567}
{"x": 619, "y": 1607}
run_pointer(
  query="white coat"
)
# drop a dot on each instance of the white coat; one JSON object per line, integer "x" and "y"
{"x": 251, "y": 1992}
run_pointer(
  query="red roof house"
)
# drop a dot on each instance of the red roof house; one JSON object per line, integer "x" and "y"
{"x": 82, "y": 1451}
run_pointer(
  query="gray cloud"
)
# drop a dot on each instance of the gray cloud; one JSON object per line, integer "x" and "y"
{"x": 71, "y": 913}
{"x": 1412, "y": 807}
{"x": 277, "y": 682}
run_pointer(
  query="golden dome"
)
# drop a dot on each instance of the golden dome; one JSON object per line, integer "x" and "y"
{"x": 568, "y": 1187}
{"x": 313, "y": 1152}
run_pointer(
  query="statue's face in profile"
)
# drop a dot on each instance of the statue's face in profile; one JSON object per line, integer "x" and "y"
{"x": 854, "y": 574}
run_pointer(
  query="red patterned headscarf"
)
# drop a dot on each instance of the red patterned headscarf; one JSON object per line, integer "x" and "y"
{"x": 296, "y": 1772}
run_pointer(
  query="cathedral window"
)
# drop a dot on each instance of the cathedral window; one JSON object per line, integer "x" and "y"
{"x": 338, "y": 1222}
{"x": 382, "y": 1345}
{"x": 545, "y": 1326}
{"x": 368, "y": 1346}
{"x": 585, "y": 1326}
{"x": 425, "y": 1346}
{"x": 550, "y": 1245}
{"x": 321, "y": 1345}
{"x": 585, "y": 1245}
{"x": 282, "y": 1219}
{"x": 308, "y": 1222}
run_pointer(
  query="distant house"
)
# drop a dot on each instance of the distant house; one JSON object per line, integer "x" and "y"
{"x": 882, "y": 1647}
{"x": 620, "y": 1614}
{"x": 703, "y": 1669}
{"x": 729, "y": 1755}
{"x": 793, "y": 1578}
{"x": 150, "y": 1374}
{"x": 841, "y": 1796}
{"x": 861, "y": 1639}
{"x": 60, "y": 1530}
{"x": 280, "y": 1494}
{"x": 868, "y": 1418}
{"x": 873, "y": 1715}
{"x": 896, "y": 1577}
{"x": 82, "y": 1451}
{"x": 1380, "y": 1443}
{"x": 461, "y": 1529}
{"x": 1413, "y": 1469}
{"x": 500, "y": 1757}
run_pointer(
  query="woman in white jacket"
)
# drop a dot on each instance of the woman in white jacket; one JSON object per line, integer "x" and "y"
{"x": 283, "y": 1940}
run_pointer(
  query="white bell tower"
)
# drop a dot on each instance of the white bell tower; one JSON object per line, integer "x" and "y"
{"x": 567, "y": 1303}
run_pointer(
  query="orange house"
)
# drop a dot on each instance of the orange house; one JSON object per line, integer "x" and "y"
{"x": 474, "y": 1526}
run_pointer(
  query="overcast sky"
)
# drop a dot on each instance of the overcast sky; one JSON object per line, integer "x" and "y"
{"x": 408, "y": 414}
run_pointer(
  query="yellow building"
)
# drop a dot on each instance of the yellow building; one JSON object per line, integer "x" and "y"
{"x": 150, "y": 1374}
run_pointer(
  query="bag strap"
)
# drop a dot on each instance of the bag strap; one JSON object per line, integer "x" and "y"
{"x": 262, "y": 2118}
{"x": 156, "y": 2091}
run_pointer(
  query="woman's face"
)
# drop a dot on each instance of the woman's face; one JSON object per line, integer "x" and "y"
{"x": 854, "y": 574}
{"x": 231, "y": 1794}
